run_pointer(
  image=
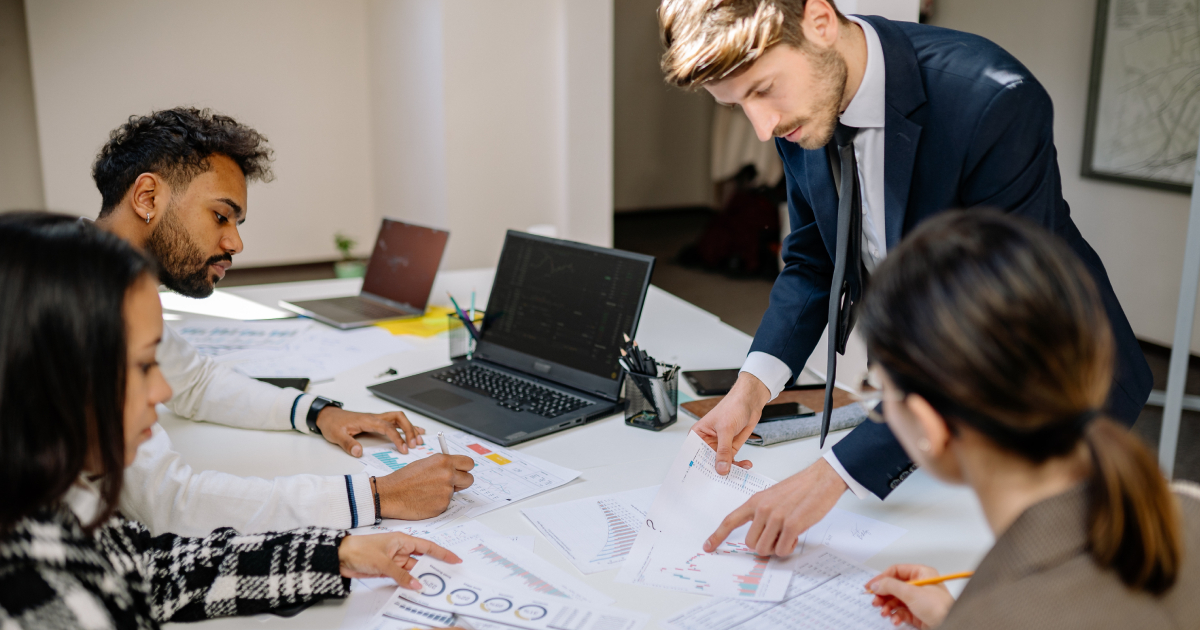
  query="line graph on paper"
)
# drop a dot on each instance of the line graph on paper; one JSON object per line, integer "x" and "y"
{"x": 512, "y": 570}
{"x": 728, "y": 560}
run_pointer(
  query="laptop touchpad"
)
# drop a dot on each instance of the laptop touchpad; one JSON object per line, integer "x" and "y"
{"x": 440, "y": 399}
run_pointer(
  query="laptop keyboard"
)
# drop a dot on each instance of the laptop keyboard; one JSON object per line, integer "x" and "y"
{"x": 511, "y": 393}
{"x": 365, "y": 308}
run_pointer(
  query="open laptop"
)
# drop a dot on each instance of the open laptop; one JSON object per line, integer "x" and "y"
{"x": 398, "y": 281}
{"x": 547, "y": 355}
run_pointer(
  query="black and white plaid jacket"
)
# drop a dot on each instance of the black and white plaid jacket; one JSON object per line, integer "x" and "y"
{"x": 54, "y": 575}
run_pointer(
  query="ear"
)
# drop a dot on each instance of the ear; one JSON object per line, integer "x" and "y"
{"x": 820, "y": 23}
{"x": 148, "y": 196}
{"x": 933, "y": 426}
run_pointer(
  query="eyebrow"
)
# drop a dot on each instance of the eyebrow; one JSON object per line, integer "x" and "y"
{"x": 237, "y": 210}
{"x": 752, "y": 89}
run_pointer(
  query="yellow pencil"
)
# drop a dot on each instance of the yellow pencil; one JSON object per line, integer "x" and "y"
{"x": 942, "y": 578}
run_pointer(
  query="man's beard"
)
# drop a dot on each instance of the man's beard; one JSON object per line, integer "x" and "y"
{"x": 182, "y": 266}
{"x": 830, "y": 65}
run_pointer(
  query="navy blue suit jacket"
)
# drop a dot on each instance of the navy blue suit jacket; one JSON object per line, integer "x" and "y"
{"x": 966, "y": 126}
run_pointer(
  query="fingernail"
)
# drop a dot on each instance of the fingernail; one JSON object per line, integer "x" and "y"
{"x": 722, "y": 468}
{"x": 414, "y": 584}
{"x": 356, "y": 451}
{"x": 708, "y": 546}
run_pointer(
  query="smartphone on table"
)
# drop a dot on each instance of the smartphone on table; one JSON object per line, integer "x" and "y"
{"x": 784, "y": 411}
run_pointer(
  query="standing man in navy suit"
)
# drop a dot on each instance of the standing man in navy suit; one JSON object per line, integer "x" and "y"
{"x": 922, "y": 120}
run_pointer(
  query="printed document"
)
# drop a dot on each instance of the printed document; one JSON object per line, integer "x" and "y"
{"x": 500, "y": 559}
{"x": 691, "y": 503}
{"x": 454, "y": 589}
{"x": 502, "y": 477}
{"x": 827, "y": 593}
{"x": 596, "y": 533}
{"x": 290, "y": 347}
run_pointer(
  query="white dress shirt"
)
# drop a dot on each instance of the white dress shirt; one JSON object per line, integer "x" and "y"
{"x": 866, "y": 112}
{"x": 162, "y": 492}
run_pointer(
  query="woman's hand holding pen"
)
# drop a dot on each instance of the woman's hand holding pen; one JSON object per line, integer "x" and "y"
{"x": 922, "y": 606}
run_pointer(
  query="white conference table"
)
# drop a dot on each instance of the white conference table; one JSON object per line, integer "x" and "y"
{"x": 945, "y": 526}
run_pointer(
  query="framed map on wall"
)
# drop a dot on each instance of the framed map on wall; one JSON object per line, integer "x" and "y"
{"x": 1143, "y": 118}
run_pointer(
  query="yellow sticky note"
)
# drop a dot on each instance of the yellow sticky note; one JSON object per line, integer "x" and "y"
{"x": 498, "y": 459}
{"x": 433, "y": 322}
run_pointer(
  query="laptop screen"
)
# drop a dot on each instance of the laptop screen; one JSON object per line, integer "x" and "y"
{"x": 566, "y": 302}
{"x": 404, "y": 263}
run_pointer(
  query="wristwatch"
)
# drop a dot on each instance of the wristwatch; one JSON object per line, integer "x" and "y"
{"x": 320, "y": 403}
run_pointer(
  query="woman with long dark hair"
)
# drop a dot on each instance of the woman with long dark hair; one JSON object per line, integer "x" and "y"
{"x": 80, "y": 321}
{"x": 993, "y": 358}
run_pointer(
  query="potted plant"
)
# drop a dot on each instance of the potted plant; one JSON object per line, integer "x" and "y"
{"x": 348, "y": 266}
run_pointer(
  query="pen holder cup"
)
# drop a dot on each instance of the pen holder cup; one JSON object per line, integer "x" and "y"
{"x": 652, "y": 402}
{"x": 460, "y": 341}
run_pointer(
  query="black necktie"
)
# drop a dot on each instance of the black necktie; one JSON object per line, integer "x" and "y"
{"x": 846, "y": 290}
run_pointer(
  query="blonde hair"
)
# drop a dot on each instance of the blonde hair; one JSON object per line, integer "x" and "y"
{"x": 709, "y": 40}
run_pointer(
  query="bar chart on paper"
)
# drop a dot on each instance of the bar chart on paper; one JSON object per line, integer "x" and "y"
{"x": 393, "y": 460}
{"x": 502, "y": 477}
{"x": 513, "y": 570}
{"x": 727, "y": 560}
{"x": 621, "y": 531}
{"x": 595, "y": 533}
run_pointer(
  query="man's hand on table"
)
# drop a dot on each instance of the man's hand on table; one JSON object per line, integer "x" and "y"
{"x": 423, "y": 488}
{"x": 727, "y": 427}
{"x": 340, "y": 426}
{"x": 782, "y": 512}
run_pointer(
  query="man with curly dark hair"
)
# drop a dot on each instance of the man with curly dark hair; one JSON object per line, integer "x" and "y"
{"x": 174, "y": 182}
{"x": 148, "y": 158}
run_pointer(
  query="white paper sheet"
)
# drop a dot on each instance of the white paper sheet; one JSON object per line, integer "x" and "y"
{"x": 452, "y": 588}
{"x": 505, "y": 560}
{"x": 289, "y": 348}
{"x": 854, "y": 536}
{"x": 502, "y": 477}
{"x": 691, "y": 503}
{"x": 596, "y": 533}
{"x": 827, "y": 593}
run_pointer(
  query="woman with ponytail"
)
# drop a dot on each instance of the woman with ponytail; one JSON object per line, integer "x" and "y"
{"x": 992, "y": 359}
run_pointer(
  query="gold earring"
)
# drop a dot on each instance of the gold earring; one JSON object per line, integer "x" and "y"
{"x": 924, "y": 445}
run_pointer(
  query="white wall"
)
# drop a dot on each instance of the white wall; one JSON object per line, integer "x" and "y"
{"x": 1138, "y": 232}
{"x": 294, "y": 69}
{"x": 472, "y": 115}
{"x": 493, "y": 116}
{"x": 408, "y": 121}
{"x": 20, "y": 169}
{"x": 662, "y": 134}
